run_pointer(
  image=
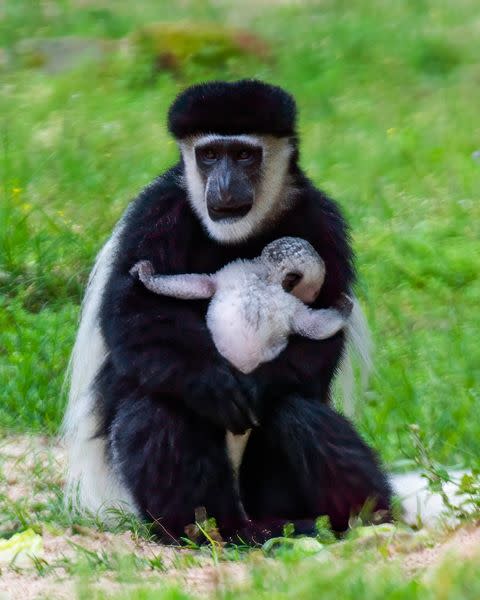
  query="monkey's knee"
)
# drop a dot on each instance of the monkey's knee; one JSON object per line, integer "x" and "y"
{"x": 337, "y": 472}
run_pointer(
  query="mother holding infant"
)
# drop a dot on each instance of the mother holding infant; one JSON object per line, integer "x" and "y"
{"x": 151, "y": 395}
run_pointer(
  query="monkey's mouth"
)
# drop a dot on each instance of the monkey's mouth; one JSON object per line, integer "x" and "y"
{"x": 229, "y": 213}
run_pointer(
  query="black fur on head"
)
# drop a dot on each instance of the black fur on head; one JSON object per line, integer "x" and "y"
{"x": 245, "y": 106}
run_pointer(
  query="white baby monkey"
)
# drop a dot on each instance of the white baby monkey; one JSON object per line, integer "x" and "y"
{"x": 257, "y": 304}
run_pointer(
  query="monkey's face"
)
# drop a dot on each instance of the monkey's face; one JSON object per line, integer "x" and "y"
{"x": 235, "y": 183}
{"x": 230, "y": 171}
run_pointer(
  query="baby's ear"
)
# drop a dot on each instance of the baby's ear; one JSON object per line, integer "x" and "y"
{"x": 291, "y": 280}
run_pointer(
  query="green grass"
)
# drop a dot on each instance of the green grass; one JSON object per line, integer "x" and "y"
{"x": 388, "y": 100}
{"x": 313, "y": 580}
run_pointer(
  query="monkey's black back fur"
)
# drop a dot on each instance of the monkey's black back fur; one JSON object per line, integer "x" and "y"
{"x": 166, "y": 396}
{"x": 246, "y": 106}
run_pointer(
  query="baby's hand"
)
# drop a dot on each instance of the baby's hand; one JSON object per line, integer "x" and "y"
{"x": 143, "y": 269}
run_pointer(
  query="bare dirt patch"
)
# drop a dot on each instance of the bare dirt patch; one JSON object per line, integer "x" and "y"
{"x": 31, "y": 479}
{"x": 463, "y": 543}
{"x": 24, "y": 462}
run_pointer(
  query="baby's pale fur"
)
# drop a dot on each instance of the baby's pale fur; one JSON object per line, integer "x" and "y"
{"x": 251, "y": 315}
{"x": 248, "y": 317}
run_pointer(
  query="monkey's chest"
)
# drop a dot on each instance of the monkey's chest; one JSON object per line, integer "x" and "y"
{"x": 206, "y": 256}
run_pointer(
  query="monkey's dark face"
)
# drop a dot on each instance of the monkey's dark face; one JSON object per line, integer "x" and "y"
{"x": 236, "y": 183}
{"x": 230, "y": 170}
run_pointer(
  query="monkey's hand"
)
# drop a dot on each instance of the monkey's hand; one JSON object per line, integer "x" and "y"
{"x": 224, "y": 397}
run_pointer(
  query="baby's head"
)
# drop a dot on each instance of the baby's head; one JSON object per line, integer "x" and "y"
{"x": 296, "y": 266}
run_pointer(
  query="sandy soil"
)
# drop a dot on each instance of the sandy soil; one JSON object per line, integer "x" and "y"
{"x": 463, "y": 543}
{"x": 24, "y": 456}
{"x": 27, "y": 462}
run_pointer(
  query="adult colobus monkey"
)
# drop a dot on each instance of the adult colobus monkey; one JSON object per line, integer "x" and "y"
{"x": 150, "y": 395}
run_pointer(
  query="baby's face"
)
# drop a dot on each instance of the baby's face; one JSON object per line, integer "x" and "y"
{"x": 295, "y": 265}
{"x": 305, "y": 283}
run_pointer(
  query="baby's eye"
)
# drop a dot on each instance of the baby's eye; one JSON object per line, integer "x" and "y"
{"x": 291, "y": 280}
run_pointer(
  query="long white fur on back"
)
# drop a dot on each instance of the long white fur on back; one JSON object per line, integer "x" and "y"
{"x": 91, "y": 484}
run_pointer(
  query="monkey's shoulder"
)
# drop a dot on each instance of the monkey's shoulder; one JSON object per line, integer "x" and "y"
{"x": 159, "y": 226}
{"x": 161, "y": 206}
{"x": 314, "y": 212}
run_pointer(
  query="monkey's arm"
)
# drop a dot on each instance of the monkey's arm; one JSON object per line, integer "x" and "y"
{"x": 160, "y": 344}
{"x": 322, "y": 323}
{"x": 190, "y": 286}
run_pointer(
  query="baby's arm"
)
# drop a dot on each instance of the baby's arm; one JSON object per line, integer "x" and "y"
{"x": 190, "y": 286}
{"x": 322, "y": 323}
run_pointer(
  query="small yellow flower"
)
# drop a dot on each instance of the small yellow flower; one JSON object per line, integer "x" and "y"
{"x": 391, "y": 131}
{"x": 25, "y": 208}
{"x": 16, "y": 191}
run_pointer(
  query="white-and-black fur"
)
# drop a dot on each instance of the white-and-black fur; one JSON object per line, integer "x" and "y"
{"x": 256, "y": 305}
{"x": 151, "y": 397}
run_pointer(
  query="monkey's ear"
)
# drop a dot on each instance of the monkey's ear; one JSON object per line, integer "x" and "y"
{"x": 190, "y": 286}
{"x": 317, "y": 324}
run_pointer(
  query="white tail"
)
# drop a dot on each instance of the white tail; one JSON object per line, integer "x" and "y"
{"x": 421, "y": 507}
{"x": 359, "y": 344}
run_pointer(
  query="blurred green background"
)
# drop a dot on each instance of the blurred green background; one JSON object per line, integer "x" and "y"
{"x": 389, "y": 99}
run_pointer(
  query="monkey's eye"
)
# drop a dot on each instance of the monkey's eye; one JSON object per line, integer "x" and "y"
{"x": 291, "y": 280}
{"x": 244, "y": 155}
{"x": 208, "y": 155}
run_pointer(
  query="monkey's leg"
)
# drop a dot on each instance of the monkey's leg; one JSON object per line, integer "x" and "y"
{"x": 308, "y": 461}
{"x": 173, "y": 463}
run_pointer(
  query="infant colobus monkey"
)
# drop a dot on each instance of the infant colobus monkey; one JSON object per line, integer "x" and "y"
{"x": 251, "y": 314}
